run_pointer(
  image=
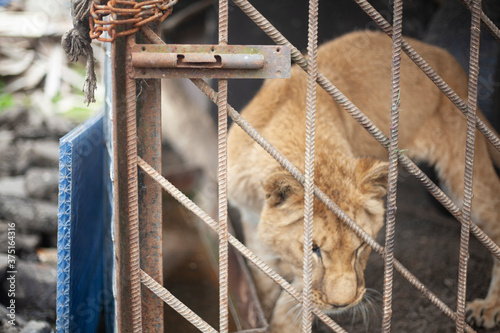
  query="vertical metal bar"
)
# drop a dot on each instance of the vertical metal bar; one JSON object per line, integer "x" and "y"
{"x": 150, "y": 196}
{"x": 133, "y": 207}
{"x": 469, "y": 161}
{"x": 312, "y": 72}
{"x": 122, "y": 249}
{"x": 222, "y": 180}
{"x": 393, "y": 167}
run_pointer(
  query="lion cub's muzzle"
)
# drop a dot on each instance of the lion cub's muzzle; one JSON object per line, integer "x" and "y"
{"x": 336, "y": 307}
{"x": 340, "y": 293}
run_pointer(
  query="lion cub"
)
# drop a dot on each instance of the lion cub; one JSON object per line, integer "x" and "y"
{"x": 350, "y": 167}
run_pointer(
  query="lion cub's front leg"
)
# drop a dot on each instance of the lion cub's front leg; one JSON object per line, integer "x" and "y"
{"x": 486, "y": 312}
{"x": 446, "y": 139}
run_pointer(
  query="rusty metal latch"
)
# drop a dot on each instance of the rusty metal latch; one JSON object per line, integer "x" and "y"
{"x": 198, "y": 60}
{"x": 210, "y": 61}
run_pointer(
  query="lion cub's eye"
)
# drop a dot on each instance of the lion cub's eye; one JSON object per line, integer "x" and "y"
{"x": 316, "y": 250}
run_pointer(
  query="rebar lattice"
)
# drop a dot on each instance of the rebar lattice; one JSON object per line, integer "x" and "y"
{"x": 396, "y": 157}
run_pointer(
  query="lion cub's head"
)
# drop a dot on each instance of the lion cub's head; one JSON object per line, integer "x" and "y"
{"x": 358, "y": 187}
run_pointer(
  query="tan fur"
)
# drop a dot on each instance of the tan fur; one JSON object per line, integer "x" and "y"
{"x": 349, "y": 167}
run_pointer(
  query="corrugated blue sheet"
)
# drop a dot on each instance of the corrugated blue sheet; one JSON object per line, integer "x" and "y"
{"x": 84, "y": 231}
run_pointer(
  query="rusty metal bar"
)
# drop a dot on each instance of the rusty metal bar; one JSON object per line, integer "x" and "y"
{"x": 177, "y": 305}
{"x": 469, "y": 161}
{"x": 361, "y": 118}
{"x": 150, "y": 197}
{"x": 126, "y": 208}
{"x": 133, "y": 206}
{"x": 312, "y": 72}
{"x": 393, "y": 167}
{"x": 122, "y": 263}
{"x": 186, "y": 202}
{"x": 222, "y": 180}
{"x": 287, "y": 165}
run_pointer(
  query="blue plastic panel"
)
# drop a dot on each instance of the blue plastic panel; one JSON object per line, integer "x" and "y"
{"x": 83, "y": 234}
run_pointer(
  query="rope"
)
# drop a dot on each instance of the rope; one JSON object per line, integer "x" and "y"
{"x": 76, "y": 42}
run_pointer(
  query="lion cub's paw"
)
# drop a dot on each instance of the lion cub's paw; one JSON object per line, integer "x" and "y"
{"x": 483, "y": 312}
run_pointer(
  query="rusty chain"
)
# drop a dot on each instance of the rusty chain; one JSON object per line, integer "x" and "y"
{"x": 122, "y": 12}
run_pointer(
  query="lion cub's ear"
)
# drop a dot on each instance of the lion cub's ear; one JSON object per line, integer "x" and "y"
{"x": 371, "y": 176}
{"x": 281, "y": 186}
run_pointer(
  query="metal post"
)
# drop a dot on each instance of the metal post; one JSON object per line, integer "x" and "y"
{"x": 121, "y": 202}
{"x": 150, "y": 195}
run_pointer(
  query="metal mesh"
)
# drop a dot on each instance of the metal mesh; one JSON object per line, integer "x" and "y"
{"x": 396, "y": 158}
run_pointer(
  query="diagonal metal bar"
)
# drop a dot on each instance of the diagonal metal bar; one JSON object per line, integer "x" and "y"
{"x": 186, "y": 202}
{"x": 222, "y": 180}
{"x": 393, "y": 167}
{"x": 175, "y": 304}
{"x": 294, "y": 171}
{"x": 133, "y": 205}
{"x": 469, "y": 162}
{"x": 361, "y": 118}
{"x": 312, "y": 72}
{"x": 431, "y": 73}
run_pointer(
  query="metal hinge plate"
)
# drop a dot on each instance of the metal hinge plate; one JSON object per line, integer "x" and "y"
{"x": 211, "y": 61}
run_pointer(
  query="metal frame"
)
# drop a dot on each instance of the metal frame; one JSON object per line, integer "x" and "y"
{"x": 134, "y": 222}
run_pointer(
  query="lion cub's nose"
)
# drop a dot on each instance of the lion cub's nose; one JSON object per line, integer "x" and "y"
{"x": 342, "y": 291}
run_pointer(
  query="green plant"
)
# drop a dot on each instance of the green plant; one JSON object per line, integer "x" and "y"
{"x": 6, "y": 99}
